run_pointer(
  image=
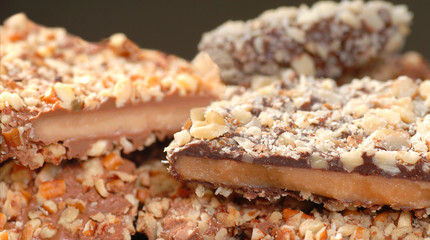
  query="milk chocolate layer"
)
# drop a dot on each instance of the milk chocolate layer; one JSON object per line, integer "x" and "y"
{"x": 359, "y": 143}
{"x": 62, "y": 97}
{"x": 76, "y": 200}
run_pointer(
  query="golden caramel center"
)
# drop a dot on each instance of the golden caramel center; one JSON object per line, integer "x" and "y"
{"x": 164, "y": 116}
{"x": 350, "y": 187}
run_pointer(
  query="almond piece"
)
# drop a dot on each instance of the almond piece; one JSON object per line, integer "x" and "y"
{"x": 112, "y": 161}
{"x": 89, "y": 228}
{"x": 100, "y": 187}
{"x": 12, "y": 138}
{"x": 52, "y": 189}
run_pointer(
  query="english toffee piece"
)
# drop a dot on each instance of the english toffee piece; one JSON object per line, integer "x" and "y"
{"x": 328, "y": 39}
{"x": 62, "y": 97}
{"x": 364, "y": 143}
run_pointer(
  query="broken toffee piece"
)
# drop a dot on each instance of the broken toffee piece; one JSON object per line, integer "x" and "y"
{"x": 62, "y": 97}
{"x": 328, "y": 39}
{"x": 365, "y": 143}
{"x": 172, "y": 210}
{"x": 90, "y": 199}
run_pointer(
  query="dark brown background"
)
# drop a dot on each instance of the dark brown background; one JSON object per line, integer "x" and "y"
{"x": 172, "y": 26}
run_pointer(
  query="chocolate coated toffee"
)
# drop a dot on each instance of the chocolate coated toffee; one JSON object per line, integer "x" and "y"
{"x": 365, "y": 143}
{"x": 93, "y": 199}
{"x": 173, "y": 210}
{"x": 62, "y": 97}
{"x": 328, "y": 39}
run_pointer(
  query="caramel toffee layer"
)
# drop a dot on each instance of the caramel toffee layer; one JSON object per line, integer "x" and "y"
{"x": 62, "y": 97}
{"x": 327, "y": 39}
{"x": 173, "y": 210}
{"x": 77, "y": 200}
{"x": 365, "y": 143}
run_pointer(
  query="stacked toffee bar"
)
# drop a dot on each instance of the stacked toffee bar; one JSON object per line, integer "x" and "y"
{"x": 365, "y": 143}
{"x": 62, "y": 98}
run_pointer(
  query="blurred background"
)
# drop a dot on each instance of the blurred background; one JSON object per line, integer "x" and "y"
{"x": 171, "y": 26}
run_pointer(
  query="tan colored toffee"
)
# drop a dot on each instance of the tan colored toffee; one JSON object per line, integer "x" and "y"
{"x": 166, "y": 116}
{"x": 348, "y": 187}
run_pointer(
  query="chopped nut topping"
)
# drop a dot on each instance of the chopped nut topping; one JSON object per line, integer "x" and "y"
{"x": 50, "y": 206}
{"x": 211, "y": 125}
{"x": 112, "y": 161}
{"x": 98, "y": 148}
{"x": 101, "y": 189}
{"x": 65, "y": 93}
{"x": 89, "y": 228}
{"x": 2, "y": 221}
{"x": 425, "y": 89}
{"x": 12, "y": 138}
{"x": 182, "y": 137}
{"x": 99, "y": 217}
{"x": 46, "y": 70}
{"x": 68, "y": 215}
{"x": 352, "y": 159}
{"x": 124, "y": 176}
{"x": 10, "y": 100}
{"x": 29, "y": 229}
{"x": 47, "y": 232}
{"x": 304, "y": 65}
{"x": 366, "y": 127}
{"x": 76, "y": 203}
{"x": 52, "y": 202}
{"x": 290, "y": 37}
{"x": 52, "y": 189}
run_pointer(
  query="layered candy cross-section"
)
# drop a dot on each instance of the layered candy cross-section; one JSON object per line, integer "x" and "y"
{"x": 186, "y": 211}
{"x": 62, "y": 97}
{"x": 365, "y": 143}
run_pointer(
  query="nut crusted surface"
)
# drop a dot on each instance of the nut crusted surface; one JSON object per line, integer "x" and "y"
{"x": 36, "y": 59}
{"x": 45, "y": 69}
{"x": 366, "y": 127}
{"x": 181, "y": 211}
{"x": 77, "y": 200}
{"x": 327, "y": 39}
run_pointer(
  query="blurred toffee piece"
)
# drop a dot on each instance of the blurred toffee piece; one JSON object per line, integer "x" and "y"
{"x": 62, "y": 97}
{"x": 411, "y": 64}
{"x": 328, "y": 39}
{"x": 365, "y": 143}
{"x": 173, "y": 210}
{"x": 93, "y": 199}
